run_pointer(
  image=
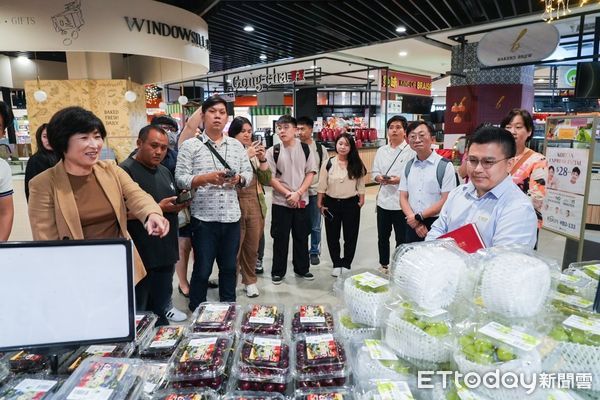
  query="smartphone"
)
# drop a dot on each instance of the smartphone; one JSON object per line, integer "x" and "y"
{"x": 385, "y": 177}
{"x": 183, "y": 197}
{"x": 230, "y": 173}
{"x": 328, "y": 215}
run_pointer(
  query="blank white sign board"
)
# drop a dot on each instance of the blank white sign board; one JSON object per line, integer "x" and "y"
{"x": 68, "y": 292}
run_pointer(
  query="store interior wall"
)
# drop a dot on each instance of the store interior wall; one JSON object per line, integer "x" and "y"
{"x": 22, "y": 70}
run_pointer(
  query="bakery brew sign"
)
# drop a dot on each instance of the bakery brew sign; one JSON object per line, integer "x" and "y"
{"x": 263, "y": 81}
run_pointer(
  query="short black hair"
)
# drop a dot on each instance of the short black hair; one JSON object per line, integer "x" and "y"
{"x": 576, "y": 169}
{"x": 211, "y": 101}
{"x": 415, "y": 124}
{"x": 287, "y": 119}
{"x": 550, "y": 167}
{"x": 7, "y": 115}
{"x": 164, "y": 120}
{"x": 527, "y": 120}
{"x": 397, "y": 118}
{"x": 145, "y": 131}
{"x": 68, "y": 122}
{"x": 236, "y": 126}
{"x": 305, "y": 121}
{"x": 493, "y": 134}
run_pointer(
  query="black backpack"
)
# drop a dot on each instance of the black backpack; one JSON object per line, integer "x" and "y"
{"x": 440, "y": 171}
{"x": 277, "y": 150}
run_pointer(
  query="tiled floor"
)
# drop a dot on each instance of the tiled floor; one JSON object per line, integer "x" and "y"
{"x": 293, "y": 290}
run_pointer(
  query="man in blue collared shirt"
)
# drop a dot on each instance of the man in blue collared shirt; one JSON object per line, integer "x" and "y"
{"x": 502, "y": 213}
{"x": 215, "y": 208}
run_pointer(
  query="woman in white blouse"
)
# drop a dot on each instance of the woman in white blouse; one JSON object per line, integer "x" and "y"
{"x": 341, "y": 194}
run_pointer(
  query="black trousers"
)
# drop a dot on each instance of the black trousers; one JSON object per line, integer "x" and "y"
{"x": 283, "y": 221}
{"x": 411, "y": 235}
{"x": 386, "y": 219}
{"x": 346, "y": 214}
{"x": 153, "y": 293}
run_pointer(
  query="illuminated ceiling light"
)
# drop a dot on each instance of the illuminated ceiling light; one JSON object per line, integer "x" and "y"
{"x": 554, "y": 9}
{"x": 228, "y": 80}
{"x": 400, "y": 29}
{"x": 541, "y": 80}
{"x": 263, "y": 57}
{"x": 22, "y": 58}
{"x": 313, "y": 67}
{"x": 371, "y": 76}
{"x": 249, "y": 28}
{"x": 403, "y": 54}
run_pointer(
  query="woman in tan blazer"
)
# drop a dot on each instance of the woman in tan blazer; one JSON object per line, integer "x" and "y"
{"x": 82, "y": 197}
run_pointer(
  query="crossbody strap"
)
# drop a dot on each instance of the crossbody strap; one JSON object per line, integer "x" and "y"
{"x": 216, "y": 153}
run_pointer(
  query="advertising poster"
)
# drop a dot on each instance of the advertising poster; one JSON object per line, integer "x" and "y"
{"x": 562, "y": 212}
{"x": 567, "y": 169}
{"x": 579, "y": 129}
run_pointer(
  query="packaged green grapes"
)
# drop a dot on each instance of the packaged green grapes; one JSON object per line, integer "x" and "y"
{"x": 581, "y": 279}
{"x": 429, "y": 274}
{"x": 388, "y": 389}
{"x": 365, "y": 295}
{"x": 516, "y": 283}
{"x": 419, "y": 334}
{"x": 348, "y": 329}
{"x": 373, "y": 359}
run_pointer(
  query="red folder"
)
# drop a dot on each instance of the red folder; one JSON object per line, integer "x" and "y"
{"x": 467, "y": 237}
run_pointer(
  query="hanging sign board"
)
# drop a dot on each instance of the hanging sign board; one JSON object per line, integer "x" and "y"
{"x": 405, "y": 83}
{"x": 519, "y": 44}
{"x": 263, "y": 81}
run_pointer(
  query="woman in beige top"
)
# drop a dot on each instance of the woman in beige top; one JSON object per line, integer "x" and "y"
{"x": 341, "y": 194}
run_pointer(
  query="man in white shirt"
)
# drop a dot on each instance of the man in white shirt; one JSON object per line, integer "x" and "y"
{"x": 7, "y": 211}
{"x": 387, "y": 171}
{"x": 319, "y": 153}
{"x": 293, "y": 168}
{"x": 215, "y": 165}
{"x": 503, "y": 214}
{"x": 429, "y": 179}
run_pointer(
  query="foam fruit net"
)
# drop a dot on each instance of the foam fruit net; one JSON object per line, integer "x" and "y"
{"x": 365, "y": 307}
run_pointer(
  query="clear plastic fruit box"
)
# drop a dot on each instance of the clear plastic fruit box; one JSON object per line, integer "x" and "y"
{"x": 243, "y": 395}
{"x": 381, "y": 389}
{"x": 262, "y": 363}
{"x": 516, "y": 283}
{"x": 365, "y": 295}
{"x": 429, "y": 273}
{"x": 38, "y": 387}
{"x": 186, "y": 394}
{"x": 571, "y": 304}
{"x": 335, "y": 393}
{"x": 581, "y": 279}
{"x": 578, "y": 347}
{"x": 312, "y": 319}
{"x": 114, "y": 350}
{"x": 419, "y": 334}
{"x": 490, "y": 347}
{"x": 103, "y": 379}
{"x": 210, "y": 318}
{"x": 154, "y": 375}
{"x": 320, "y": 361}
{"x": 348, "y": 329}
{"x": 162, "y": 343}
{"x": 200, "y": 361}
{"x": 144, "y": 326}
{"x": 263, "y": 319}
{"x": 373, "y": 359}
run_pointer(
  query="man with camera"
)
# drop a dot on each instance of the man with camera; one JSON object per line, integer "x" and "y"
{"x": 215, "y": 165}
{"x": 153, "y": 293}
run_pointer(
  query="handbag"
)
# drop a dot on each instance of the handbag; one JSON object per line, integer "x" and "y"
{"x": 184, "y": 217}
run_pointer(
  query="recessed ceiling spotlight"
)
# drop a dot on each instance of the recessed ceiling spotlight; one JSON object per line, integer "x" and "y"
{"x": 263, "y": 57}
{"x": 249, "y": 28}
{"x": 403, "y": 54}
{"x": 400, "y": 29}
{"x": 22, "y": 58}
{"x": 371, "y": 76}
{"x": 228, "y": 80}
{"x": 313, "y": 67}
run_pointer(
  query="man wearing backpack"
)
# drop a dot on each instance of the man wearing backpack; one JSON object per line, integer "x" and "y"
{"x": 319, "y": 153}
{"x": 428, "y": 178}
{"x": 293, "y": 168}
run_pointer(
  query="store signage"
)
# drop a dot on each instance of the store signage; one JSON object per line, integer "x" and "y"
{"x": 263, "y": 81}
{"x": 519, "y": 44}
{"x": 566, "y": 77}
{"x": 140, "y": 27}
{"x": 405, "y": 83}
{"x": 162, "y": 29}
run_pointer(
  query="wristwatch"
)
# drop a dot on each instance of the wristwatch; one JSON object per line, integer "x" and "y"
{"x": 419, "y": 217}
{"x": 262, "y": 161}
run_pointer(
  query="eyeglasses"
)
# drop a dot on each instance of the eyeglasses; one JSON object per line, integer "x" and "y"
{"x": 421, "y": 137}
{"x": 486, "y": 163}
